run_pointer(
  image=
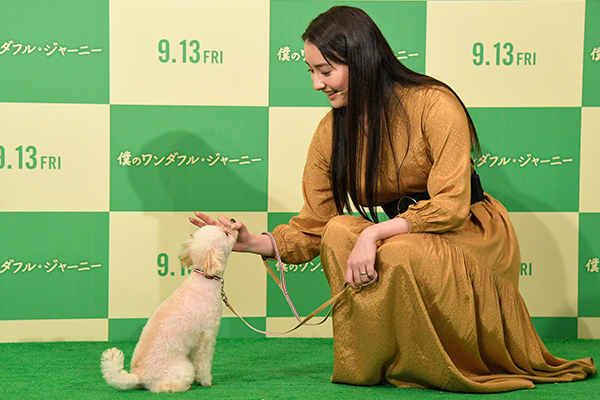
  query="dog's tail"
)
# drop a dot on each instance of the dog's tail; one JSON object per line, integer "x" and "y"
{"x": 112, "y": 370}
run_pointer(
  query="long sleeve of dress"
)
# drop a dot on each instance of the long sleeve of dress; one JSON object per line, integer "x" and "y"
{"x": 300, "y": 240}
{"x": 447, "y": 142}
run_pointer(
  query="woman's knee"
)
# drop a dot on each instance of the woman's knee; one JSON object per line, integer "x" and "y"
{"x": 339, "y": 227}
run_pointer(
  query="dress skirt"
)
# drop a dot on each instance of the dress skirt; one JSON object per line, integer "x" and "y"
{"x": 444, "y": 313}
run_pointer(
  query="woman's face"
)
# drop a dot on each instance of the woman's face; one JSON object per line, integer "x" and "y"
{"x": 330, "y": 78}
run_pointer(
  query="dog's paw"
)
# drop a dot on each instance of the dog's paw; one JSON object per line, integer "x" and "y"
{"x": 170, "y": 387}
{"x": 204, "y": 380}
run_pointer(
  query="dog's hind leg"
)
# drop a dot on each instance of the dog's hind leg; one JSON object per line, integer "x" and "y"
{"x": 177, "y": 377}
{"x": 202, "y": 357}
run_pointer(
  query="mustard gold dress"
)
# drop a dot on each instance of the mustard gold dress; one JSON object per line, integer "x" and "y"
{"x": 446, "y": 311}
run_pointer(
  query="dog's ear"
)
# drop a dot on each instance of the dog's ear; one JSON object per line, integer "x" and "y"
{"x": 214, "y": 264}
{"x": 186, "y": 254}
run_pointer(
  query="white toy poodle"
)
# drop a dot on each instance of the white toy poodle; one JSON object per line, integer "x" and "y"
{"x": 177, "y": 344}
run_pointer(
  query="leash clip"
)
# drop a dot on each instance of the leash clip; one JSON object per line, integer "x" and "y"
{"x": 223, "y": 295}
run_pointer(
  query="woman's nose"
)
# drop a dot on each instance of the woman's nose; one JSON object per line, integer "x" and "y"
{"x": 317, "y": 83}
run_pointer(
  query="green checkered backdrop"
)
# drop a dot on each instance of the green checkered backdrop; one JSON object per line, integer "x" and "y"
{"x": 118, "y": 119}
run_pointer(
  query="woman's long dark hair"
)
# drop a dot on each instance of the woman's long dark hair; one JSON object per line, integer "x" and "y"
{"x": 347, "y": 35}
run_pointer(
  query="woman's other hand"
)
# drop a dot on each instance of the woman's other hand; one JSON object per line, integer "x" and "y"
{"x": 361, "y": 263}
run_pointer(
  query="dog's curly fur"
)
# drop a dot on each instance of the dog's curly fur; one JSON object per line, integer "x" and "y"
{"x": 177, "y": 344}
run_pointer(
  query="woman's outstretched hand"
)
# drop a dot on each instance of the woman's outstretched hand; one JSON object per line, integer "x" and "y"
{"x": 202, "y": 219}
{"x": 247, "y": 242}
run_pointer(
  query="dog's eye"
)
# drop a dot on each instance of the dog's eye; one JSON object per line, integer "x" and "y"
{"x": 226, "y": 234}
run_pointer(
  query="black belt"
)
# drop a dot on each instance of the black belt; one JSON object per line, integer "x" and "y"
{"x": 396, "y": 207}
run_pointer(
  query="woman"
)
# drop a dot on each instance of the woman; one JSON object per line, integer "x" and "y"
{"x": 444, "y": 310}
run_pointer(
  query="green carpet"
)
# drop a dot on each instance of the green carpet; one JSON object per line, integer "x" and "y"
{"x": 242, "y": 369}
